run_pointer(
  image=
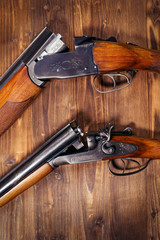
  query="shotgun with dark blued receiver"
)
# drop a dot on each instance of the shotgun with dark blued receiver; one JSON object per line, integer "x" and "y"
{"x": 46, "y": 58}
{"x": 67, "y": 147}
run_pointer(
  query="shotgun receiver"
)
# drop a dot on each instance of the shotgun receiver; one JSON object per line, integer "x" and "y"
{"x": 46, "y": 58}
{"x": 67, "y": 147}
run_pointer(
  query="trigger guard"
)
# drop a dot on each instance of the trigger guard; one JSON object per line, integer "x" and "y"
{"x": 111, "y": 76}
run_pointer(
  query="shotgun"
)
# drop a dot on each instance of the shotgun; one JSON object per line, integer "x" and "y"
{"x": 71, "y": 146}
{"x": 47, "y": 58}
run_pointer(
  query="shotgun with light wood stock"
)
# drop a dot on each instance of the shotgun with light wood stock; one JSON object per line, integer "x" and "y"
{"x": 71, "y": 146}
{"x": 46, "y": 58}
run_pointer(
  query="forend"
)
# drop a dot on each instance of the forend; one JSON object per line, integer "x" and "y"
{"x": 14, "y": 98}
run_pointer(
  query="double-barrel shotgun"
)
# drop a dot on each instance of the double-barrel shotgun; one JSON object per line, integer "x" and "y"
{"x": 71, "y": 146}
{"x": 47, "y": 57}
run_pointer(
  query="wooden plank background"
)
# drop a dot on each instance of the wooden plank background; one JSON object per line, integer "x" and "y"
{"x": 82, "y": 201}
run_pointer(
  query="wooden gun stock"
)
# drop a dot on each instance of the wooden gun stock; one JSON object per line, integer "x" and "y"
{"x": 113, "y": 57}
{"x": 15, "y": 97}
{"x": 146, "y": 148}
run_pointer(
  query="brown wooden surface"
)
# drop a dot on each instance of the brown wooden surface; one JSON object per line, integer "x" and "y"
{"x": 114, "y": 57}
{"x": 16, "y": 96}
{"x": 26, "y": 183}
{"x": 82, "y": 201}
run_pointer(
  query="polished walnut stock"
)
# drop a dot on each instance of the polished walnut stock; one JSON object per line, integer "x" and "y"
{"x": 113, "y": 57}
{"x": 15, "y": 97}
{"x": 147, "y": 148}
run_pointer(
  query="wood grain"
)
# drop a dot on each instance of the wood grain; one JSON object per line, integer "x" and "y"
{"x": 153, "y": 41}
{"x": 26, "y": 183}
{"x": 114, "y": 57}
{"x": 15, "y": 97}
{"x": 84, "y": 201}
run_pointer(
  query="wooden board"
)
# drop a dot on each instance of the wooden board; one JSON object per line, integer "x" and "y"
{"x": 83, "y": 201}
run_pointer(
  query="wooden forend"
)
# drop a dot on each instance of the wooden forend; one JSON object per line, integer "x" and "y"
{"x": 26, "y": 183}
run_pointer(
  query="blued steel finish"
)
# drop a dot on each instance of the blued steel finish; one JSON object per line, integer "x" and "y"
{"x": 67, "y": 65}
{"x": 101, "y": 150}
{"x": 25, "y": 56}
{"x": 44, "y": 43}
{"x": 56, "y": 152}
{"x": 87, "y": 39}
{"x": 49, "y": 150}
{"x": 71, "y": 64}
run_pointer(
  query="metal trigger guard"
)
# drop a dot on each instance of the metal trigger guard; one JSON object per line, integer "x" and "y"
{"x": 112, "y": 75}
{"x": 124, "y": 173}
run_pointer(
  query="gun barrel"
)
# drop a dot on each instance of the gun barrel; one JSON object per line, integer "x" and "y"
{"x": 23, "y": 59}
{"x": 49, "y": 150}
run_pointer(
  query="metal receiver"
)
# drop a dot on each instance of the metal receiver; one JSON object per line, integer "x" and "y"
{"x": 79, "y": 63}
{"x": 99, "y": 147}
{"x": 45, "y": 43}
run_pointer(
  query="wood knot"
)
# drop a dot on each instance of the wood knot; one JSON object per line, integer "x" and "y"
{"x": 10, "y": 162}
{"x": 46, "y": 7}
{"x": 99, "y": 222}
{"x": 153, "y": 214}
{"x": 58, "y": 176}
